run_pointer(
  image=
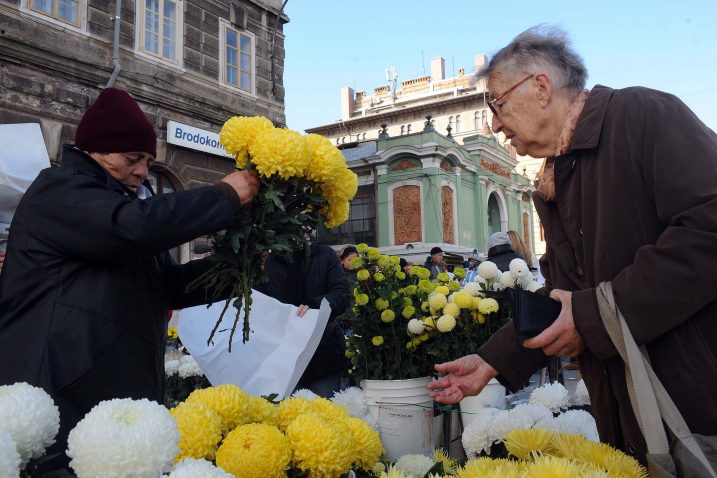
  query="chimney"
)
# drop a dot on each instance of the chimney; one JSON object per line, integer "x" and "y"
{"x": 438, "y": 69}
{"x": 480, "y": 61}
{"x": 348, "y": 104}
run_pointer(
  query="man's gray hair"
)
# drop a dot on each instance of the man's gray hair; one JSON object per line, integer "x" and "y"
{"x": 538, "y": 47}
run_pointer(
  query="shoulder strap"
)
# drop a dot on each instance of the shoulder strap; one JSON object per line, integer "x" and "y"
{"x": 650, "y": 401}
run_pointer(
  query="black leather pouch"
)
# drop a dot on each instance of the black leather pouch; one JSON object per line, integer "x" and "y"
{"x": 532, "y": 313}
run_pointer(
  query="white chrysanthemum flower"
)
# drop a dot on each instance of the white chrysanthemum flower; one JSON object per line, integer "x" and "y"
{"x": 171, "y": 367}
{"x": 535, "y": 414}
{"x": 9, "y": 457}
{"x": 304, "y": 393}
{"x": 188, "y": 367}
{"x": 518, "y": 267}
{"x": 416, "y": 326}
{"x": 193, "y": 468}
{"x": 582, "y": 397}
{"x": 476, "y": 437}
{"x": 353, "y": 400}
{"x": 488, "y": 270}
{"x": 372, "y": 421}
{"x": 507, "y": 279}
{"x": 524, "y": 280}
{"x": 122, "y": 438}
{"x": 533, "y": 286}
{"x": 518, "y": 418}
{"x": 552, "y": 395}
{"x": 415, "y": 466}
{"x": 31, "y": 417}
{"x": 393, "y": 471}
{"x": 577, "y": 422}
{"x": 473, "y": 288}
{"x": 497, "y": 286}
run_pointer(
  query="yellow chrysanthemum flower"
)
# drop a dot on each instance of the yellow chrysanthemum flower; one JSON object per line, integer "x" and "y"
{"x": 478, "y": 317}
{"x": 420, "y": 272}
{"x": 361, "y": 299}
{"x": 443, "y": 277}
{"x": 320, "y": 447}
{"x": 381, "y": 304}
{"x": 378, "y": 277}
{"x": 329, "y": 409}
{"x": 280, "y": 152}
{"x": 262, "y": 411}
{"x": 476, "y": 303}
{"x": 378, "y": 468}
{"x": 449, "y": 464}
{"x": 373, "y": 254}
{"x": 488, "y": 467}
{"x": 172, "y": 333}
{"x": 437, "y": 301}
{"x": 429, "y": 322}
{"x": 342, "y": 186}
{"x": 230, "y": 402}
{"x": 394, "y": 472}
{"x": 446, "y": 323}
{"x": 488, "y": 306}
{"x": 408, "y": 312}
{"x": 442, "y": 289}
{"x": 366, "y": 442}
{"x": 336, "y": 212}
{"x": 451, "y": 309}
{"x": 400, "y": 275}
{"x": 459, "y": 272}
{"x": 377, "y": 340}
{"x": 356, "y": 263}
{"x": 521, "y": 443}
{"x": 463, "y": 299}
{"x": 363, "y": 275}
{"x": 325, "y": 160}
{"x": 256, "y": 450}
{"x": 200, "y": 430}
{"x": 291, "y": 408}
{"x": 410, "y": 290}
{"x": 552, "y": 467}
{"x": 407, "y": 302}
{"x": 362, "y": 248}
{"x": 239, "y": 133}
{"x": 454, "y": 286}
{"x": 388, "y": 316}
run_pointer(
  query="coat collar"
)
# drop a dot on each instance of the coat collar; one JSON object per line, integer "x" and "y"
{"x": 590, "y": 122}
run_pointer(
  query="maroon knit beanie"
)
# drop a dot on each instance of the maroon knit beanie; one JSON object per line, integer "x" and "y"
{"x": 115, "y": 124}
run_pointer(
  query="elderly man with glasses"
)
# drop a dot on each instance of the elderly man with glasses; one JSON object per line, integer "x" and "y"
{"x": 627, "y": 194}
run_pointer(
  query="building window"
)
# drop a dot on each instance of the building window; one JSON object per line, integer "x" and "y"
{"x": 238, "y": 58}
{"x": 403, "y": 130}
{"x": 67, "y": 11}
{"x": 450, "y": 123}
{"x": 478, "y": 120}
{"x": 408, "y": 129}
{"x": 459, "y": 124}
{"x": 160, "y": 29}
{"x": 161, "y": 184}
{"x": 361, "y": 225}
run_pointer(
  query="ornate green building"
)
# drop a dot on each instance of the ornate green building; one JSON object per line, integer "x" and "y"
{"x": 425, "y": 189}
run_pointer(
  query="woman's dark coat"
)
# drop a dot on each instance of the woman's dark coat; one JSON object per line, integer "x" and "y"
{"x": 636, "y": 204}
{"x": 87, "y": 285}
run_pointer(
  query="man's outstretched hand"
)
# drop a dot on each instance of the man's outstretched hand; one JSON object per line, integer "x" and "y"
{"x": 465, "y": 376}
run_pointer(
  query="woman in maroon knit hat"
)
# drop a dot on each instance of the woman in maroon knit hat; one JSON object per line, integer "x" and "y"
{"x": 87, "y": 282}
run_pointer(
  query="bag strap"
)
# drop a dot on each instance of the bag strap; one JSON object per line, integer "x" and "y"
{"x": 650, "y": 401}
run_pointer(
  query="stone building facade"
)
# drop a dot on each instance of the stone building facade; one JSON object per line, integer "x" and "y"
{"x": 456, "y": 104}
{"x": 191, "y": 64}
{"x": 424, "y": 189}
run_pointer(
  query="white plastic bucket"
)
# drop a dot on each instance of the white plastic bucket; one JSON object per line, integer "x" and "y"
{"x": 492, "y": 395}
{"x": 404, "y": 412}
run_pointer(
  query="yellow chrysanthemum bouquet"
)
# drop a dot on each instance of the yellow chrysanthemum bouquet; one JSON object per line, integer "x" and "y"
{"x": 390, "y": 322}
{"x": 304, "y": 180}
{"x": 461, "y": 319}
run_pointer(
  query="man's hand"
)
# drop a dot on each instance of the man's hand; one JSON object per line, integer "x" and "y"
{"x": 301, "y": 310}
{"x": 245, "y": 183}
{"x": 2, "y": 259}
{"x": 561, "y": 338}
{"x": 466, "y": 376}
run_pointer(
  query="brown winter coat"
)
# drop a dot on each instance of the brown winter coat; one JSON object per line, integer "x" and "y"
{"x": 636, "y": 204}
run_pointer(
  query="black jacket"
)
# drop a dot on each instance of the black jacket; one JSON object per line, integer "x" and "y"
{"x": 307, "y": 281}
{"x": 502, "y": 255}
{"x": 87, "y": 284}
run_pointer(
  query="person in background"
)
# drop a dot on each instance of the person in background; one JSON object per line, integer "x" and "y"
{"x": 88, "y": 283}
{"x": 627, "y": 194}
{"x": 406, "y": 266}
{"x": 523, "y": 250}
{"x": 471, "y": 271}
{"x": 435, "y": 263}
{"x": 344, "y": 319}
{"x": 304, "y": 282}
{"x": 348, "y": 253}
{"x": 500, "y": 250}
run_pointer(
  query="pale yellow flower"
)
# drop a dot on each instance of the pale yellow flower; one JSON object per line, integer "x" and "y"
{"x": 463, "y": 299}
{"x": 446, "y": 323}
{"x": 488, "y": 306}
{"x": 200, "y": 430}
{"x": 256, "y": 450}
{"x": 451, "y": 309}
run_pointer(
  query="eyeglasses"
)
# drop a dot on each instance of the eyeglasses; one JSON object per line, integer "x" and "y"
{"x": 493, "y": 104}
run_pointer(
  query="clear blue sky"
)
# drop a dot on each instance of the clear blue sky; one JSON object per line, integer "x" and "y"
{"x": 667, "y": 45}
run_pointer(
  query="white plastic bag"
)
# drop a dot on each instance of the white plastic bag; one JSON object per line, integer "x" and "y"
{"x": 276, "y": 354}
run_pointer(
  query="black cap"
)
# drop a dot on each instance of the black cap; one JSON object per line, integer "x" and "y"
{"x": 348, "y": 250}
{"x": 403, "y": 262}
{"x": 436, "y": 250}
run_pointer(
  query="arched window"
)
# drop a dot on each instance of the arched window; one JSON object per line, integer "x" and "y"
{"x": 459, "y": 124}
{"x": 450, "y": 123}
{"x": 403, "y": 130}
{"x": 408, "y": 129}
{"x": 478, "y": 118}
{"x": 364, "y": 136}
{"x": 484, "y": 118}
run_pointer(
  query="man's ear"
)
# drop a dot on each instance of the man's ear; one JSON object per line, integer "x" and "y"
{"x": 545, "y": 88}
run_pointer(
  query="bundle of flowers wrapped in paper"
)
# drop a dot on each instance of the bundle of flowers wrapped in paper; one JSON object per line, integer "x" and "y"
{"x": 304, "y": 181}
{"x": 460, "y": 320}
{"x": 390, "y": 318}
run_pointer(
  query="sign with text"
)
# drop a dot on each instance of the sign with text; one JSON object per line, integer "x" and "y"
{"x": 195, "y": 138}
